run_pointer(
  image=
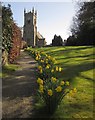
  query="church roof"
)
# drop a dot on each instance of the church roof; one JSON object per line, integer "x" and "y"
{"x": 39, "y": 36}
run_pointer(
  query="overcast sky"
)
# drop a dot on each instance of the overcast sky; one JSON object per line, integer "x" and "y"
{"x": 52, "y": 17}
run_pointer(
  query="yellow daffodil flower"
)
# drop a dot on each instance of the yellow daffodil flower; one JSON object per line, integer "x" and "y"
{"x": 40, "y": 81}
{"x": 49, "y": 57}
{"x": 37, "y": 58}
{"x": 52, "y": 70}
{"x": 53, "y": 79}
{"x": 32, "y": 52}
{"x": 46, "y": 60}
{"x": 41, "y": 71}
{"x": 42, "y": 61}
{"x": 50, "y": 93}
{"x": 74, "y": 90}
{"x": 58, "y": 89}
{"x": 62, "y": 83}
{"x": 60, "y": 69}
{"x": 48, "y": 66}
{"x": 39, "y": 67}
{"x": 53, "y": 60}
{"x": 42, "y": 53}
{"x": 56, "y": 68}
{"x": 67, "y": 83}
{"x": 41, "y": 88}
{"x": 71, "y": 92}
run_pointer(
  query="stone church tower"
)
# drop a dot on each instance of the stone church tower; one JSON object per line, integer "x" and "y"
{"x": 30, "y": 34}
{"x": 30, "y": 29}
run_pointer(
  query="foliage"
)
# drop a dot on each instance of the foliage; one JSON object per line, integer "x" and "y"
{"x": 50, "y": 87}
{"x": 11, "y": 33}
{"x": 16, "y": 43}
{"x": 83, "y": 26}
{"x": 57, "y": 41}
{"x": 7, "y": 27}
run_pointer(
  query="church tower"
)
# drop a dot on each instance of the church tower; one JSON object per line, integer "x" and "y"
{"x": 30, "y": 29}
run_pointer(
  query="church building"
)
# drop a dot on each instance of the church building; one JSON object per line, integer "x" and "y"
{"x": 30, "y": 34}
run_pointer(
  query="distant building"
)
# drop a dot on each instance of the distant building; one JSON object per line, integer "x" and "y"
{"x": 30, "y": 34}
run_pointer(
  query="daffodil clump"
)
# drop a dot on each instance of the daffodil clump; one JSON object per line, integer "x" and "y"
{"x": 50, "y": 87}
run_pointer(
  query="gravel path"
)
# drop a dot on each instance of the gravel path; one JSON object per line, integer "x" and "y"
{"x": 19, "y": 89}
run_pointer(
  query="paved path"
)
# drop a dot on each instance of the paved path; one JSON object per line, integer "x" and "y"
{"x": 19, "y": 89}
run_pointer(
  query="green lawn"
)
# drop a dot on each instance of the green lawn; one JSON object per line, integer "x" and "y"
{"x": 78, "y": 65}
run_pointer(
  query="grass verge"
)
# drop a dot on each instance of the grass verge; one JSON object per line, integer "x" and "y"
{"x": 8, "y": 69}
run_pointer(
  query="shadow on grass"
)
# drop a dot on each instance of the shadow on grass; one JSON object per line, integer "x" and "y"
{"x": 67, "y": 49}
{"x": 42, "y": 113}
{"x": 65, "y": 54}
{"x": 71, "y": 71}
{"x": 76, "y": 48}
{"x": 90, "y": 56}
{"x": 88, "y": 78}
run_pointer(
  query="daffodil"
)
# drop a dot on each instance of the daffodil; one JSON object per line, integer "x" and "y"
{"x": 58, "y": 89}
{"x": 62, "y": 83}
{"x": 46, "y": 60}
{"x": 56, "y": 68}
{"x": 54, "y": 61}
{"x": 52, "y": 70}
{"x": 40, "y": 81}
{"x": 71, "y": 93}
{"x": 50, "y": 92}
{"x": 48, "y": 66}
{"x": 60, "y": 69}
{"x": 32, "y": 52}
{"x": 46, "y": 55}
{"x": 53, "y": 79}
{"x": 74, "y": 90}
{"x": 42, "y": 61}
{"x": 39, "y": 67}
{"x": 41, "y": 88}
{"x": 67, "y": 83}
{"x": 37, "y": 58}
{"x": 49, "y": 57}
{"x": 41, "y": 71}
{"x": 42, "y": 53}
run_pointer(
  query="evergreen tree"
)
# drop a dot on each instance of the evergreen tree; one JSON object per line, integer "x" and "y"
{"x": 57, "y": 41}
{"x": 83, "y": 27}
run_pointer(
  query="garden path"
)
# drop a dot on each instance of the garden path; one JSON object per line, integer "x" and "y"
{"x": 19, "y": 89}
